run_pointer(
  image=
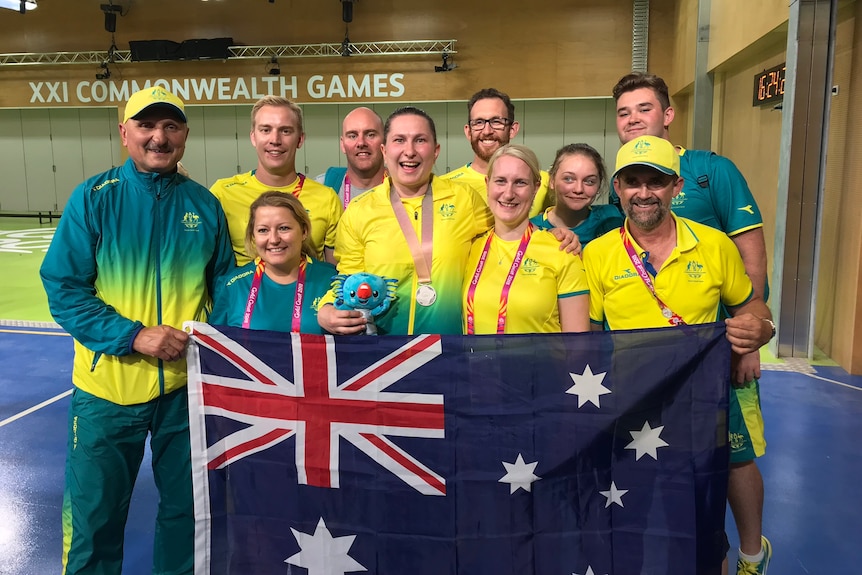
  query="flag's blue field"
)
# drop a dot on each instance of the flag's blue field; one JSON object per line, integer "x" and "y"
{"x": 602, "y": 453}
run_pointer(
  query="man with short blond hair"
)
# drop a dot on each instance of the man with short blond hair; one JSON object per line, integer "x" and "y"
{"x": 277, "y": 134}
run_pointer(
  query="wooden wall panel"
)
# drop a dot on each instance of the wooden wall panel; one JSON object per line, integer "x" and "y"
{"x": 737, "y": 24}
{"x": 551, "y": 49}
{"x": 684, "y": 45}
{"x": 838, "y": 326}
{"x": 750, "y": 137}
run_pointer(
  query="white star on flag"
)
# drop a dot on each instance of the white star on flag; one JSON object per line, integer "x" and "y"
{"x": 614, "y": 495}
{"x": 647, "y": 441}
{"x": 519, "y": 475}
{"x": 589, "y": 571}
{"x": 588, "y": 386}
{"x": 323, "y": 554}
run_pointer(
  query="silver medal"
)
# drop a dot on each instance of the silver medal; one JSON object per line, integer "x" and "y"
{"x": 666, "y": 312}
{"x": 426, "y": 295}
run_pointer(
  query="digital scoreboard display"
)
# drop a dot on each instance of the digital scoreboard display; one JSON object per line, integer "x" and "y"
{"x": 769, "y": 86}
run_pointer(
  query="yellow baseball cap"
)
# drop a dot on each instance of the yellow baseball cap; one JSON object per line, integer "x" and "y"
{"x": 650, "y": 151}
{"x": 153, "y": 96}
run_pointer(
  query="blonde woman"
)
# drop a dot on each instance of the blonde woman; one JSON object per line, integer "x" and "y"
{"x": 518, "y": 280}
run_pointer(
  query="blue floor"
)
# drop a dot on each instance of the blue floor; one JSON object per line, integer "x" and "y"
{"x": 811, "y": 469}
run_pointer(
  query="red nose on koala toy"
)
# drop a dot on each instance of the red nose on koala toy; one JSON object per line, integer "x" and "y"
{"x": 363, "y": 291}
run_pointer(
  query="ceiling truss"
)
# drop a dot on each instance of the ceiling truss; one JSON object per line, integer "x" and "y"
{"x": 396, "y": 48}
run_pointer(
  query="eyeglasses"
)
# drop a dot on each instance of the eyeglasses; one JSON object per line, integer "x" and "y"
{"x": 496, "y": 123}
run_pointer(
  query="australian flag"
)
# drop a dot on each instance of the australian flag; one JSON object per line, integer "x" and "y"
{"x": 588, "y": 454}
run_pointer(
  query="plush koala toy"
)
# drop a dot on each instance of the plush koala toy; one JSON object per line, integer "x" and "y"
{"x": 370, "y": 294}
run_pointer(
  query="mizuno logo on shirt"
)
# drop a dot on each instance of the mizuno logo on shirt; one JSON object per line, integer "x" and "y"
{"x": 747, "y": 208}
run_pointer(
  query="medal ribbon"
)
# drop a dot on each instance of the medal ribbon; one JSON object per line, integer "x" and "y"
{"x": 423, "y": 252}
{"x": 507, "y": 285}
{"x": 298, "y": 296}
{"x": 298, "y": 189}
{"x": 672, "y": 317}
{"x": 346, "y": 198}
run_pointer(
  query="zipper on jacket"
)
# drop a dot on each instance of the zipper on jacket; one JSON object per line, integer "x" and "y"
{"x": 96, "y": 357}
{"x": 158, "y": 180}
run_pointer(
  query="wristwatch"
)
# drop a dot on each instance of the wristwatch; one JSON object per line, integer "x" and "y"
{"x": 771, "y": 324}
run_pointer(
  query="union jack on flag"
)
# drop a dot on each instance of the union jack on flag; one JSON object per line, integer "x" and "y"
{"x": 318, "y": 410}
{"x": 540, "y": 454}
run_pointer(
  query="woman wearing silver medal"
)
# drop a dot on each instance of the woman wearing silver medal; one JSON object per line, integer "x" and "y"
{"x": 518, "y": 280}
{"x": 278, "y": 290}
{"x": 414, "y": 228}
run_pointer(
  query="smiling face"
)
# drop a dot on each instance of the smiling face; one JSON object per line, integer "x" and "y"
{"x": 410, "y": 151}
{"x": 361, "y": 139}
{"x": 156, "y": 140}
{"x": 576, "y": 182}
{"x": 487, "y": 139}
{"x": 278, "y": 237}
{"x": 645, "y": 195}
{"x": 639, "y": 113}
{"x": 276, "y": 135}
{"x": 511, "y": 189}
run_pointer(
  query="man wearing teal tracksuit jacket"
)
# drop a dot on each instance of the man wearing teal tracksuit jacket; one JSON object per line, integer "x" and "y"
{"x": 133, "y": 257}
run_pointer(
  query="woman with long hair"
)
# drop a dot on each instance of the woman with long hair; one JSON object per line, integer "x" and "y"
{"x": 577, "y": 178}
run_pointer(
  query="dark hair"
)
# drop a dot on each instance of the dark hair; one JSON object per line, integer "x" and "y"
{"x": 637, "y": 80}
{"x": 579, "y": 149}
{"x": 409, "y": 111}
{"x": 491, "y": 93}
{"x": 274, "y": 199}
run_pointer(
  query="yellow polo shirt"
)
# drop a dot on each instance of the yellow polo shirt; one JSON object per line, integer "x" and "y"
{"x": 704, "y": 271}
{"x": 237, "y": 193}
{"x": 545, "y": 276}
{"x": 370, "y": 240}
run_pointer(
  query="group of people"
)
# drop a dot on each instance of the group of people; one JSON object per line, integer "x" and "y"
{"x": 489, "y": 248}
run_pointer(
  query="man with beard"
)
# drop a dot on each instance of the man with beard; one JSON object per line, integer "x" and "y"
{"x": 662, "y": 270}
{"x": 277, "y": 134}
{"x": 491, "y": 125}
{"x": 716, "y": 194}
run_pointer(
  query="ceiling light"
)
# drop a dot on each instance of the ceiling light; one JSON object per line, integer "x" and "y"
{"x": 105, "y": 72}
{"x": 448, "y": 65}
{"x": 20, "y": 5}
{"x": 274, "y": 69}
